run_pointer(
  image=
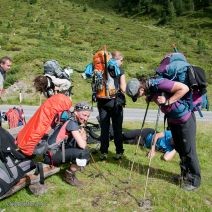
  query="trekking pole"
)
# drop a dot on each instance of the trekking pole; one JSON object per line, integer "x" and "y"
{"x": 97, "y": 167}
{"x": 150, "y": 159}
{"x": 22, "y": 111}
{"x": 138, "y": 142}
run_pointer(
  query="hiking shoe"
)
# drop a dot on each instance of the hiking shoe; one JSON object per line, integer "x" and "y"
{"x": 118, "y": 156}
{"x": 71, "y": 179}
{"x": 187, "y": 186}
{"x": 103, "y": 156}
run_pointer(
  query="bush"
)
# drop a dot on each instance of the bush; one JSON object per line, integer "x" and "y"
{"x": 32, "y": 1}
{"x": 201, "y": 47}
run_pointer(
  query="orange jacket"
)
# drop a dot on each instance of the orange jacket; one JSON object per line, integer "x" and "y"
{"x": 39, "y": 124}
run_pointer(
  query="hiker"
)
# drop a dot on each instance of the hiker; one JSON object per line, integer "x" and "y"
{"x": 181, "y": 121}
{"x": 112, "y": 109}
{"x": 75, "y": 148}
{"x": 54, "y": 79}
{"x": 162, "y": 142}
{"x": 50, "y": 85}
{"x": 5, "y": 65}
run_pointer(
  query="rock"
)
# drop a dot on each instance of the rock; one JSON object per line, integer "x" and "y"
{"x": 38, "y": 189}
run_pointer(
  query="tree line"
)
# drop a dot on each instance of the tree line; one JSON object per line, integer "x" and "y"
{"x": 166, "y": 10}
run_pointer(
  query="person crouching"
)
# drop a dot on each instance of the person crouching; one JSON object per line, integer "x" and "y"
{"x": 76, "y": 151}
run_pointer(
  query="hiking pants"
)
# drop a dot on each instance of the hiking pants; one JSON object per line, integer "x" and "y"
{"x": 70, "y": 156}
{"x": 115, "y": 114}
{"x": 184, "y": 136}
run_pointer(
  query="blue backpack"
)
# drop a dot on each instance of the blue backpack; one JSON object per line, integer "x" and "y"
{"x": 174, "y": 66}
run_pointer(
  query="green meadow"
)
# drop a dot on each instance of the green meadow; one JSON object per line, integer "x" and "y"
{"x": 108, "y": 186}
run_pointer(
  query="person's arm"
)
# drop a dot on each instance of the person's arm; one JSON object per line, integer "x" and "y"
{"x": 80, "y": 137}
{"x": 123, "y": 83}
{"x": 178, "y": 90}
{"x": 77, "y": 133}
{"x": 1, "y": 84}
{"x": 169, "y": 155}
{"x": 152, "y": 152}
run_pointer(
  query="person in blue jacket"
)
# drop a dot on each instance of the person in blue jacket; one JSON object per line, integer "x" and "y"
{"x": 162, "y": 141}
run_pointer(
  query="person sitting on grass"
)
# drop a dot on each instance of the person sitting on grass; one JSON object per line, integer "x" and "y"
{"x": 162, "y": 141}
{"x": 76, "y": 151}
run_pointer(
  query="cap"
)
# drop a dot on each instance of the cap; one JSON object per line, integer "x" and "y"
{"x": 132, "y": 88}
{"x": 82, "y": 106}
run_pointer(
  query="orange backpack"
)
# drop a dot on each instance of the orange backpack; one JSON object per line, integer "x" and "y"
{"x": 15, "y": 117}
{"x": 40, "y": 123}
{"x": 103, "y": 85}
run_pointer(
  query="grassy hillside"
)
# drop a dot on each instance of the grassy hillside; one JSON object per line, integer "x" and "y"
{"x": 71, "y": 31}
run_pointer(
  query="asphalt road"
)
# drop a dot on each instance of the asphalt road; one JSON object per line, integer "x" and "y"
{"x": 129, "y": 114}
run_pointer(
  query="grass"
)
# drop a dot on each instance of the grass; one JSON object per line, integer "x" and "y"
{"x": 71, "y": 31}
{"x": 108, "y": 192}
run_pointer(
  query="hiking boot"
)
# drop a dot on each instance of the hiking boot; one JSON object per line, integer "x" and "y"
{"x": 103, "y": 156}
{"x": 71, "y": 179}
{"x": 118, "y": 156}
{"x": 187, "y": 186}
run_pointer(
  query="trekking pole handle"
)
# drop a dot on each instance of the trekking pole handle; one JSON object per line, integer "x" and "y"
{"x": 163, "y": 95}
{"x": 174, "y": 47}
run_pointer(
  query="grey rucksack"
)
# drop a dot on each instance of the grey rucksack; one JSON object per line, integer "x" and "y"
{"x": 53, "y": 68}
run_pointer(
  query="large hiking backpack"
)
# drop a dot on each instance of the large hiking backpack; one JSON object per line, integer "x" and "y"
{"x": 103, "y": 69}
{"x": 13, "y": 164}
{"x": 174, "y": 66}
{"x": 53, "y": 68}
{"x": 15, "y": 117}
{"x": 40, "y": 123}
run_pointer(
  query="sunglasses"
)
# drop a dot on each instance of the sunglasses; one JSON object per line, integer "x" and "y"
{"x": 84, "y": 107}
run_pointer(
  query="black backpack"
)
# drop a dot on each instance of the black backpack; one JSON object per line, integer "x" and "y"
{"x": 13, "y": 164}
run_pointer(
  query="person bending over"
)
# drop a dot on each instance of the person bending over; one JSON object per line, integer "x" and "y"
{"x": 169, "y": 95}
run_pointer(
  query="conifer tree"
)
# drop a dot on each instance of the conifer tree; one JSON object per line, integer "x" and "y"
{"x": 171, "y": 10}
{"x": 178, "y": 5}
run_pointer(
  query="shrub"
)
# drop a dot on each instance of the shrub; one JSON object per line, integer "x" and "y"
{"x": 201, "y": 47}
{"x": 32, "y": 1}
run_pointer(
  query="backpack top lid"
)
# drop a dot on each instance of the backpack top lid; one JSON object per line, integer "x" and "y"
{"x": 177, "y": 59}
{"x": 51, "y": 67}
{"x": 174, "y": 67}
